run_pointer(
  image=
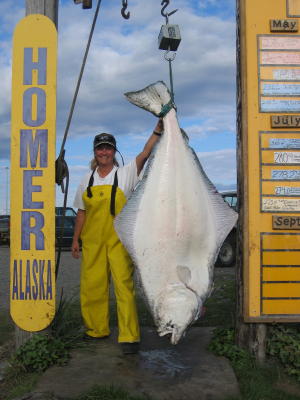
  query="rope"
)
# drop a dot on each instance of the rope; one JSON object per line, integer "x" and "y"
{"x": 61, "y": 167}
{"x": 62, "y": 225}
{"x": 80, "y": 76}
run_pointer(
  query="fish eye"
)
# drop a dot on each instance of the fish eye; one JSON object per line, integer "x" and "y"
{"x": 170, "y": 324}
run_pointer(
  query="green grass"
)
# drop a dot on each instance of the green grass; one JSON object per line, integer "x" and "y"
{"x": 256, "y": 382}
{"x": 220, "y": 306}
{"x": 67, "y": 324}
{"x": 261, "y": 383}
{"x": 107, "y": 393}
{"x": 17, "y": 383}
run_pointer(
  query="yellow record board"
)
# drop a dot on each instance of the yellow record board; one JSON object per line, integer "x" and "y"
{"x": 270, "y": 49}
{"x": 32, "y": 230}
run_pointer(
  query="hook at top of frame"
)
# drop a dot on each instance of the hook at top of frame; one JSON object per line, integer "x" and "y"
{"x": 165, "y": 4}
{"x": 125, "y": 5}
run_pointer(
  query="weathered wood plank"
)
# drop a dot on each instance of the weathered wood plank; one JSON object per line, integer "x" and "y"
{"x": 248, "y": 335}
{"x": 44, "y": 7}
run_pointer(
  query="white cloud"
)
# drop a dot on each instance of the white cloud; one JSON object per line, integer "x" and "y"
{"x": 220, "y": 166}
{"x": 124, "y": 57}
{"x": 204, "y": 68}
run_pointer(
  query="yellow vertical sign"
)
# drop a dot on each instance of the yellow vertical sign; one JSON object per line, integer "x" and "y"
{"x": 32, "y": 244}
{"x": 270, "y": 47}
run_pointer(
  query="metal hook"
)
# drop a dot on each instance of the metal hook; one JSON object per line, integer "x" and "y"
{"x": 125, "y": 5}
{"x": 168, "y": 57}
{"x": 165, "y": 4}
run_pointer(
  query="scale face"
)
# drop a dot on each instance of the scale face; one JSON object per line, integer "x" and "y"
{"x": 270, "y": 70}
{"x": 169, "y": 37}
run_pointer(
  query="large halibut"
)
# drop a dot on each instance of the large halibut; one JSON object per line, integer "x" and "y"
{"x": 174, "y": 223}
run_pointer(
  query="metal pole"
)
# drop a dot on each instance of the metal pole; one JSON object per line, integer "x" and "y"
{"x": 170, "y": 58}
{"x": 171, "y": 79}
{"x": 6, "y": 203}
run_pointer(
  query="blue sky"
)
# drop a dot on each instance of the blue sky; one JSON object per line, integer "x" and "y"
{"x": 123, "y": 57}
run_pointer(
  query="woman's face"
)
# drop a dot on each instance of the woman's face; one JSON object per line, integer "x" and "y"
{"x": 105, "y": 155}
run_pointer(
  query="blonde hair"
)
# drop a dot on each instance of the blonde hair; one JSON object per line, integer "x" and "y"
{"x": 94, "y": 164}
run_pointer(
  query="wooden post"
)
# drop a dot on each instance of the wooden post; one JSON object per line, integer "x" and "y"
{"x": 48, "y": 8}
{"x": 44, "y": 7}
{"x": 251, "y": 336}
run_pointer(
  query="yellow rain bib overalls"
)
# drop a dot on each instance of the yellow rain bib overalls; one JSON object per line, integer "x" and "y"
{"x": 103, "y": 254}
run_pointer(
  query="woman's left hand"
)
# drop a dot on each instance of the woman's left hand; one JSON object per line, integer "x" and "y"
{"x": 75, "y": 249}
{"x": 159, "y": 126}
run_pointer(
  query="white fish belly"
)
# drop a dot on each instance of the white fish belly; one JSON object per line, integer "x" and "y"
{"x": 175, "y": 223}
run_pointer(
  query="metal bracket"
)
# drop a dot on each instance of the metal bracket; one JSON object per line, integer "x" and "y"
{"x": 86, "y": 4}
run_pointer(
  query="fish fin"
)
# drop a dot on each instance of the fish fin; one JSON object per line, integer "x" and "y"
{"x": 184, "y": 274}
{"x": 225, "y": 216}
{"x": 152, "y": 98}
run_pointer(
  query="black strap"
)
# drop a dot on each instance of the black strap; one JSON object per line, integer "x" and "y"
{"x": 91, "y": 182}
{"x": 113, "y": 191}
{"x": 113, "y": 195}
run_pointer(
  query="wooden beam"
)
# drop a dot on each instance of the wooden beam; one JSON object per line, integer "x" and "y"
{"x": 44, "y": 7}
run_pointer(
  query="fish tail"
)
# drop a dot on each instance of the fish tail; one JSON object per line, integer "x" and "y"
{"x": 155, "y": 98}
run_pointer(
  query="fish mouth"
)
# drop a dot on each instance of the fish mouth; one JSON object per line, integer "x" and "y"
{"x": 178, "y": 331}
{"x": 174, "y": 331}
{"x": 164, "y": 331}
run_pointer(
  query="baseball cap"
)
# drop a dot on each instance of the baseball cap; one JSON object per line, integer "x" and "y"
{"x": 105, "y": 138}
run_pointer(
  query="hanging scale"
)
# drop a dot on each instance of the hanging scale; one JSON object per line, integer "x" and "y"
{"x": 169, "y": 39}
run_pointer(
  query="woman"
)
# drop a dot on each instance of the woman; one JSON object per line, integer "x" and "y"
{"x": 100, "y": 196}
